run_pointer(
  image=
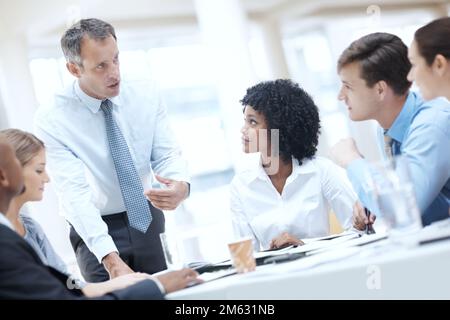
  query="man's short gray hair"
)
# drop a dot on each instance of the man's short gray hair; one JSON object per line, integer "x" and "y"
{"x": 71, "y": 40}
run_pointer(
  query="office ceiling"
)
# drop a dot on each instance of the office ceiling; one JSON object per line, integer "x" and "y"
{"x": 38, "y": 18}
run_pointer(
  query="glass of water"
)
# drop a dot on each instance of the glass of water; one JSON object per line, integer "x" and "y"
{"x": 172, "y": 253}
{"x": 395, "y": 197}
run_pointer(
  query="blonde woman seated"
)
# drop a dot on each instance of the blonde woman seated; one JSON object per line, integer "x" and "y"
{"x": 287, "y": 195}
{"x": 30, "y": 152}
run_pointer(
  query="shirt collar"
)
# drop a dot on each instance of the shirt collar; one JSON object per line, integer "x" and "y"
{"x": 5, "y": 221}
{"x": 401, "y": 123}
{"x": 259, "y": 173}
{"x": 91, "y": 103}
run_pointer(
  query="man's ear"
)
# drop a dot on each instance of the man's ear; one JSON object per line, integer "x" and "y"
{"x": 440, "y": 64}
{"x": 74, "y": 69}
{"x": 4, "y": 183}
{"x": 381, "y": 89}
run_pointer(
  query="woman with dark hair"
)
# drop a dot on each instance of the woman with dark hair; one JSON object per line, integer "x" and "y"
{"x": 429, "y": 54}
{"x": 287, "y": 195}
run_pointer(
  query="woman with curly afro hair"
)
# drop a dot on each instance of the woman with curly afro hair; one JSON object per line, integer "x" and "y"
{"x": 286, "y": 196}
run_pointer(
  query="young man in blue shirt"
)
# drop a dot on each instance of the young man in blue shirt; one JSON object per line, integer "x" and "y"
{"x": 373, "y": 71}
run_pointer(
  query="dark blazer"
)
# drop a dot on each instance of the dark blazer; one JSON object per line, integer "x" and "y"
{"x": 24, "y": 276}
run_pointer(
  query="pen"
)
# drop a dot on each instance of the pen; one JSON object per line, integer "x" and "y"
{"x": 369, "y": 226}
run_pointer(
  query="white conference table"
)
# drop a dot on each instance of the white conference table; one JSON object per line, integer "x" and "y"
{"x": 380, "y": 270}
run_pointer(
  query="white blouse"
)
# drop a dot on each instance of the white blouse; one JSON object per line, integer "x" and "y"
{"x": 302, "y": 209}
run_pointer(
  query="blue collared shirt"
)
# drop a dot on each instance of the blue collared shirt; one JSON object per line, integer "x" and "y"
{"x": 421, "y": 133}
{"x": 80, "y": 162}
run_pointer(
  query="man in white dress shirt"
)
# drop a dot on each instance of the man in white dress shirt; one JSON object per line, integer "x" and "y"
{"x": 104, "y": 141}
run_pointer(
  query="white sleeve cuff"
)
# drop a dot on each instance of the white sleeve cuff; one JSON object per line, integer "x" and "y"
{"x": 103, "y": 247}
